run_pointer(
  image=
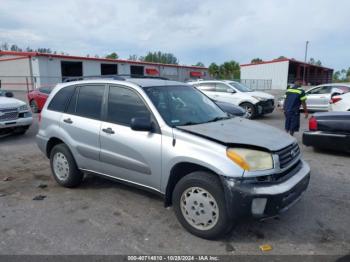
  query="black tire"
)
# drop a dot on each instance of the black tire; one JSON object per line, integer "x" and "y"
{"x": 251, "y": 110}
{"x": 210, "y": 183}
{"x": 34, "y": 106}
{"x": 74, "y": 176}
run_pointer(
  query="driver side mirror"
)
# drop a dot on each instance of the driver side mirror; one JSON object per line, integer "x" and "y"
{"x": 230, "y": 90}
{"x": 9, "y": 94}
{"x": 141, "y": 124}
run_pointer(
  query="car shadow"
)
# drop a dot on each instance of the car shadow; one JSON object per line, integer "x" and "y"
{"x": 95, "y": 182}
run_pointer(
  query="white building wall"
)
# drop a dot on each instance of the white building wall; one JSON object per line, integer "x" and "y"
{"x": 277, "y": 72}
{"x": 12, "y": 72}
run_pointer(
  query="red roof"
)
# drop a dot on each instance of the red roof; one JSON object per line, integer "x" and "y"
{"x": 30, "y": 54}
{"x": 283, "y": 60}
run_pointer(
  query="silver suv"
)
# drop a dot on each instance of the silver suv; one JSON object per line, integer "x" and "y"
{"x": 170, "y": 138}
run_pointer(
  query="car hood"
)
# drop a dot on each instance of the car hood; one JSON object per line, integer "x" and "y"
{"x": 7, "y": 102}
{"x": 242, "y": 132}
{"x": 261, "y": 94}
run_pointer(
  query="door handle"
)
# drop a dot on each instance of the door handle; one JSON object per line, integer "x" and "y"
{"x": 68, "y": 121}
{"x": 108, "y": 130}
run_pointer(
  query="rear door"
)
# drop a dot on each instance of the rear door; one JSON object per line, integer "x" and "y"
{"x": 81, "y": 123}
{"x": 133, "y": 156}
{"x": 318, "y": 98}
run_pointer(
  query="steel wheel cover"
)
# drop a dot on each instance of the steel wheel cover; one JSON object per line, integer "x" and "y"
{"x": 199, "y": 208}
{"x": 60, "y": 166}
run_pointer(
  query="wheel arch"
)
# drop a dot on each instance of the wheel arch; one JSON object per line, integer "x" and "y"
{"x": 53, "y": 141}
{"x": 179, "y": 171}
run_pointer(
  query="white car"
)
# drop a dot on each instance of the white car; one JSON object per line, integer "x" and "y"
{"x": 318, "y": 97}
{"x": 340, "y": 103}
{"x": 254, "y": 102}
{"x": 15, "y": 115}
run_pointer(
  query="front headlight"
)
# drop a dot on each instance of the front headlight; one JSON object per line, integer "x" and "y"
{"x": 260, "y": 98}
{"x": 23, "y": 108}
{"x": 250, "y": 159}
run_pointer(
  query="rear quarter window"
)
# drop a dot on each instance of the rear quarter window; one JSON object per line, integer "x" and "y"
{"x": 61, "y": 98}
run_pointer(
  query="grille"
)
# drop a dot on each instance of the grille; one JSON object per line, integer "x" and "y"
{"x": 288, "y": 154}
{"x": 8, "y": 114}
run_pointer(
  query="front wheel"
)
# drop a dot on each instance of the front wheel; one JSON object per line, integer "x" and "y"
{"x": 199, "y": 204}
{"x": 250, "y": 109}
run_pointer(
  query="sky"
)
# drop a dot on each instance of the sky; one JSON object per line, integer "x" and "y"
{"x": 194, "y": 30}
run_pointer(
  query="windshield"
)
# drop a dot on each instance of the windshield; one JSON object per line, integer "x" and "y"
{"x": 184, "y": 105}
{"x": 240, "y": 87}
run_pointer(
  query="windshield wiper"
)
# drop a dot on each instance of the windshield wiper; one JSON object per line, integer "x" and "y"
{"x": 218, "y": 118}
{"x": 190, "y": 123}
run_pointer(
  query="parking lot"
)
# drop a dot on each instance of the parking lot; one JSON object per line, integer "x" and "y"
{"x": 105, "y": 217}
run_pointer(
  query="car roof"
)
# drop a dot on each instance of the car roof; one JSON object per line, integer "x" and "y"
{"x": 210, "y": 81}
{"x": 142, "y": 82}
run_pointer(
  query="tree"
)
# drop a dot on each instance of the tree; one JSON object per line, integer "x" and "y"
{"x": 227, "y": 70}
{"x": 314, "y": 62}
{"x": 113, "y": 55}
{"x": 213, "y": 70}
{"x": 159, "y": 57}
{"x": 342, "y": 75}
{"x": 200, "y": 64}
{"x": 133, "y": 57}
{"x": 4, "y": 46}
{"x": 281, "y": 57}
{"x": 15, "y": 48}
{"x": 256, "y": 60}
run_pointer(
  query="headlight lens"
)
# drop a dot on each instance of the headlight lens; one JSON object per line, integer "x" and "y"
{"x": 23, "y": 108}
{"x": 249, "y": 159}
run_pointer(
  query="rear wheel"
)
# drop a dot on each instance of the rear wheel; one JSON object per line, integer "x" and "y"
{"x": 200, "y": 206}
{"x": 250, "y": 109}
{"x": 64, "y": 168}
{"x": 34, "y": 106}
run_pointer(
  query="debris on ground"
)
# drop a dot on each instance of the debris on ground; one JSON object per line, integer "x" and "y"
{"x": 265, "y": 247}
{"x": 8, "y": 178}
{"x": 39, "y": 197}
{"x": 42, "y": 186}
{"x": 2, "y": 194}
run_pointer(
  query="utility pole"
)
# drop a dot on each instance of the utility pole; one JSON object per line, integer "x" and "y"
{"x": 304, "y": 71}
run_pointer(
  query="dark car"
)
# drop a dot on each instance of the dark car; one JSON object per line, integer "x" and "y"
{"x": 329, "y": 130}
{"x": 37, "y": 98}
{"x": 231, "y": 109}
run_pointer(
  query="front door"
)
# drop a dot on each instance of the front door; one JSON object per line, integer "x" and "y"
{"x": 133, "y": 156}
{"x": 226, "y": 93}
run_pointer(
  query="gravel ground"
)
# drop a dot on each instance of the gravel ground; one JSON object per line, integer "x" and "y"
{"x": 105, "y": 217}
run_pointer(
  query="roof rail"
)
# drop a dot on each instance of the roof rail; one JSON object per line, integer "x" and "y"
{"x": 121, "y": 77}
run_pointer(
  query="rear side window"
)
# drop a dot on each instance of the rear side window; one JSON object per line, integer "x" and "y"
{"x": 123, "y": 105}
{"x": 89, "y": 101}
{"x": 60, "y": 100}
{"x": 207, "y": 86}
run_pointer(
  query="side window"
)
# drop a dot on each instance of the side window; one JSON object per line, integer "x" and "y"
{"x": 123, "y": 105}
{"x": 325, "y": 90}
{"x": 72, "y": 103}
{"x": 60, "y": 100}
{"x": 89, "y": 101}
{"x": 221, "y": 88}
{"x": 206, "y": 87}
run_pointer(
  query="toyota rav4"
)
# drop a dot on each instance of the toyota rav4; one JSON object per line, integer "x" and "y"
{"x": 170, "y": 138}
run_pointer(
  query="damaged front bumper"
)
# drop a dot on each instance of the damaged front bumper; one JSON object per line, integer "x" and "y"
{"x": 268, "y": 199}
